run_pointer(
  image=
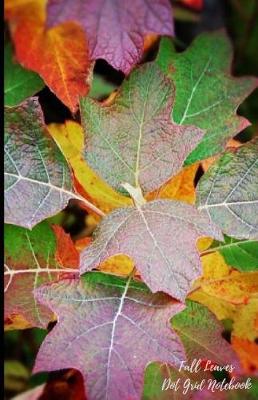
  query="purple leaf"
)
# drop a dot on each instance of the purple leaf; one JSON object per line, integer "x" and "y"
{"x": 109, "y": 329}
{"x": 160, "y": 237}
{"x": 38, "y": 182}
{"x": 115, "y": 28}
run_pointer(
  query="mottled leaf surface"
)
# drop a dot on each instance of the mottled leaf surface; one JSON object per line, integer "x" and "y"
{"x": 115, "y": 28}
{"x": 207, "y": 96}
{"x": 109, "y": 329}
{"x": 133, "y": 140}
{"x": 228, "y": 192}
{"x": 160, "y": 237}
{"x": 241, "y": 254}
{"x": 30, "y": 260}
{"x": 201, "y": 335}
{"x": 19, "y": 83}
{"x": 38, "y": 183}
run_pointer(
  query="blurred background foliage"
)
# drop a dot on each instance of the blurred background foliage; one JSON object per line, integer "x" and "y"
{"x": 240, "y": 19}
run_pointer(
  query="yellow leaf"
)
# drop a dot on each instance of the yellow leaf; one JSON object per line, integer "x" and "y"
{"x": 70, "y": 138}
{"x": 221, "y": 308}
{"x": 214, "y": 266}
{"x": 246, "y": 323}
{"x": 204, "y": 243}
{"x": 118, "y": 265}
{"x": 16, "y": 321}
{"x": 236, "y": 288}
{"x": 180, "y": 187}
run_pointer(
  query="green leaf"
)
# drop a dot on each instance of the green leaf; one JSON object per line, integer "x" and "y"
{"x": 201, "y": 335}
{"x": 241, "y": 254}
{"x": 133, "y": 140}
{"x": 19, "y": 83}
{"x": 100, "y": 87}
{"x": 207, "y": 96}
{"x": 30, "y": 260}
{"x": 228, "y": 192}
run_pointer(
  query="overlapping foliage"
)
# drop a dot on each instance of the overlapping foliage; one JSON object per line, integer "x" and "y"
{"x": 173, "y": 259}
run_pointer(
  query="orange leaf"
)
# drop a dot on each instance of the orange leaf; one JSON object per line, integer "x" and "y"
{"x": 247, "y": 352}
{"x": 80, "y": 244}
{"x": 180, "y": 187}
{"x": 59, "y": 55}
{"x": 66, "y": 253}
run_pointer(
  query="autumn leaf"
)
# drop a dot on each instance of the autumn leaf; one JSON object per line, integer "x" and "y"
{"x": 207, "y": 96}
{"x": 69, "y": 138}
{"x": 36, "y": 173}
{"x": 109, "y": 329}
{"x": 244, "y": 341}
{"x": 115, "y": 30}
{"x": 201, "y": 335}
{"x": 233, "y": 296}
{"x": 59, "y": 55}
{"x": 228, "y": 192}
{"x": 247, "y": 316}
{"x": 221, "y": 282}
{"x": 247, "y": 352}
{"x": 29, "y": 264}
{"x": 160, "y": 237}
{"x": 66, "y": 252}
{"x": 241, "y": 254}
{"x": 180, "y": 187}
{"x": 159, "y": 377}
{"x": 133, "y": 140}
{"x": 235, "y": 288}
{"x": 19, "y": 83}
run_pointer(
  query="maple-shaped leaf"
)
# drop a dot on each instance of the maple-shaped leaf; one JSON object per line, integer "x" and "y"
{"x": 241, "y": 254}
{"x": 30, "y": 260}
{"x": 133, "y": 140}
{"x": 160, "y": 237}
{"x": 228, "y": 192}
{"x": 109, "y": 329}
{"x": 207, "y": 96}
{"x": 19, "y": 83}
{"x": 38, "y": 182}
{"x": 115, "y": 29}
{"x": 59, "y": 55}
